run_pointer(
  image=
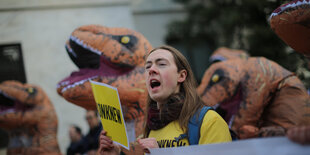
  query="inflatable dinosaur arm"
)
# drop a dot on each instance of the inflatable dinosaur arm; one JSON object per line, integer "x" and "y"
{"x": 299, "y": 134}
{"x": 250, "y": 131}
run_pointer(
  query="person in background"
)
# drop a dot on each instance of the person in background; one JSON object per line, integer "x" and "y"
{"x": 75, "y": 134}
{"x": 172, "y": 102}
{"x": 91, "y": 140}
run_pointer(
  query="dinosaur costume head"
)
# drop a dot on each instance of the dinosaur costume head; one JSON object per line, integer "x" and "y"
{"x": 221, "y": 85}
{"x": 291, "y": 22}
{"x": 29, "y": 117}
{"x": 256, "y": 97}
{"x": 223, "y": 53}
{"x": 114, "y": 56}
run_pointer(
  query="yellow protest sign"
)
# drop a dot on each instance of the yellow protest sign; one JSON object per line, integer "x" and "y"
{"x": 110, "y": 111}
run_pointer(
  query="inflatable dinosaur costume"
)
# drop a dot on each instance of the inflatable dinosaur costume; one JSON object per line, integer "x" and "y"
{"x": 27, "y": 114}
{"x": 224, "y": 53}
{"x": 291, "y": 22}
{"x": 114, "y": 56}
{"x": 256, "y": 97}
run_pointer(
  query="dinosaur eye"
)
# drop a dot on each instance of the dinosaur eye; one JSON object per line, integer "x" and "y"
{"x": 215, "y": 78}
{"x": 30, "y": 90}
{"x": 125, "y": 39}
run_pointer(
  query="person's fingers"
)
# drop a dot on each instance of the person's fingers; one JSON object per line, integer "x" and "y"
{"x": 103, "y": 132}
{"x": 139, "y": 140}
{"x": 112, "y": 151}
{"x": 148, "y": 143}
{"x": 142, "y": 143}
{"x": 106, "y": 143}
{"x": 105, "y": 138}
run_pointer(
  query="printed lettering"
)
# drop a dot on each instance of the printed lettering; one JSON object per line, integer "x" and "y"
{"x": 170, "y": 143}
{"x": 180, "y": 143}
{"x": 161, "y": 143}
{"x": 118, "y": 114}
{"x": 110, "y": 113}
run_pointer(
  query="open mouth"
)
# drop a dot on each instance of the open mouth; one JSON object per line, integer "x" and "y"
{"x": 230, "y": 107}
{"x": 10, "y": 105}
{"x": 216, "y": 58}
{"x": 91, "y": 63}
{"x": 154, "y": 84}
{"x": 291, "y": 6}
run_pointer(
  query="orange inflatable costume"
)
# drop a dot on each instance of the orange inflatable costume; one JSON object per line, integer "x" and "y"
{"x": 291, "y": 22}
{"x": 224, "y": 53}
{"x": 114, "y": 56}
{"x": 27, "y": 114}
{"x": 256, "y": 97}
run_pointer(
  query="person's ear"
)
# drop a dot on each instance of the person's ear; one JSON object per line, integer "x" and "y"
{"x": 182, "y": 76}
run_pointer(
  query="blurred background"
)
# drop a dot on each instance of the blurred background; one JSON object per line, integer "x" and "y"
{"x": 33, "y": 34}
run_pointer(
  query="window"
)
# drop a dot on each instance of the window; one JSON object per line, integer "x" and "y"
{"x": 11, "y": 63}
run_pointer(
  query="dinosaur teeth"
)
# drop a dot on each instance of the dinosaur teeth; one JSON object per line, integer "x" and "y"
{"x": 7, "y": 111}
{"x": 231, "y": 121}
{"x": 71, "y": 51}
{"x": 62, "y": 84}
{"x": 81, "y": 43}
{"x": 6, "y": 95}
{"x": 76, "y": 83}
{"x": 287, "y": 6}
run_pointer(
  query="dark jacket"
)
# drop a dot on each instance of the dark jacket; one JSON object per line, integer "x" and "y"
{"x": 91, "y": 140}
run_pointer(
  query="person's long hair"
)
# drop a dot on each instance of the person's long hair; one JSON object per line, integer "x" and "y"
{"x": 192, "y": 101}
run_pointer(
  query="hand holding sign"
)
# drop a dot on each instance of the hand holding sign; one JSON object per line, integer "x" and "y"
{"x": 110, "y": 111}
{"x": 107, "y": 147}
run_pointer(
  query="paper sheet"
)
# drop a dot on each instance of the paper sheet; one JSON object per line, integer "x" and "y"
{"x": 110, "y": 111}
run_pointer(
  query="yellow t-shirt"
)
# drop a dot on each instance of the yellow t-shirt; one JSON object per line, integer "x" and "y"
{"x": 213, "y": 130}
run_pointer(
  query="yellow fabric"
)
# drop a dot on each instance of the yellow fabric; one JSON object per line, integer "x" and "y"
{"x": 213, "y": 130}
